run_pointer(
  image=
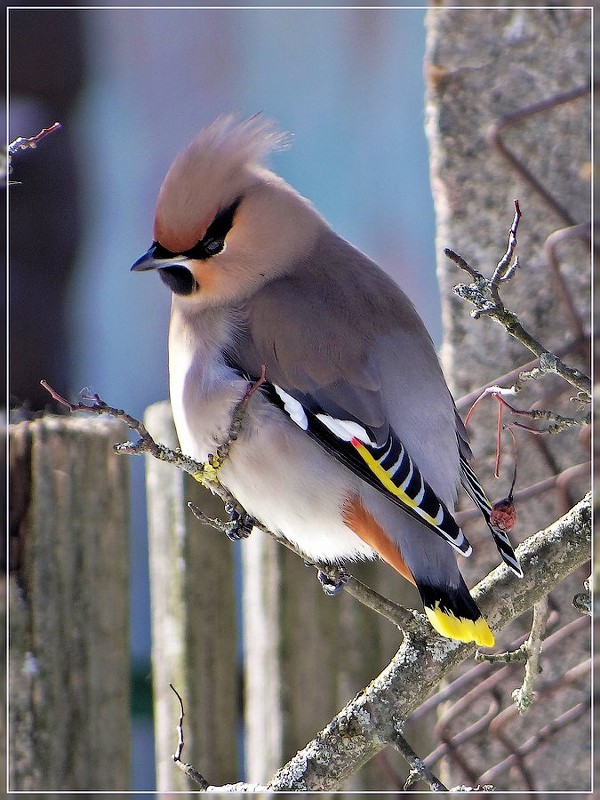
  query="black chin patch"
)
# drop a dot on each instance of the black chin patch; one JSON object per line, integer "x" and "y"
{"x": 179, "y": 279}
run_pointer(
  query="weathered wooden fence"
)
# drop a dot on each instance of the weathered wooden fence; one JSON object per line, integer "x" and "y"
{"x": 261, "y": 657}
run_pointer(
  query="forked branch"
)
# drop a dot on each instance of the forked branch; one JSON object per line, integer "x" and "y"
{"x": 484, "y": 294}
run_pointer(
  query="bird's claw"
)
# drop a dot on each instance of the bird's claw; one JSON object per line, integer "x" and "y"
{"x": 240, "y": 524}
{"x": 332, "y": 583}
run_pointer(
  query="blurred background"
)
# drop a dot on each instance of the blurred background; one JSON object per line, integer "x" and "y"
{"x": 130, "y": 87}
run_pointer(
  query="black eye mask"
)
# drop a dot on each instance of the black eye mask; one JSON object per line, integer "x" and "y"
{"x": 213, "y": 240}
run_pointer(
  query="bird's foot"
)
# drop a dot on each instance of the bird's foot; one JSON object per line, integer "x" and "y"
{"x": 332, "y": 581}
{"x": 240, "y": 524}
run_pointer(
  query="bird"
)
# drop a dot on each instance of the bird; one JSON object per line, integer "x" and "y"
{"x": 351, "y": 448}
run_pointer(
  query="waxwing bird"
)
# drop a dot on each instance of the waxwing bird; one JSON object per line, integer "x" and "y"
{"x": 352, "y": 448}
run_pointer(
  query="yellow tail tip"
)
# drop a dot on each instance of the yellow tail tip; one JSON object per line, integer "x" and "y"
{"x": 460, "y": 628}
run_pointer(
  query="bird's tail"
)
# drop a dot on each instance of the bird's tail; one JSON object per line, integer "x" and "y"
{"x": 424, "y": 559}
{"x": 454, "y": 614}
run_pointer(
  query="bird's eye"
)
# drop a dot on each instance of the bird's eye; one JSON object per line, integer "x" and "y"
{"x": 213, "y": 242}
{"x": 213, "y": 247}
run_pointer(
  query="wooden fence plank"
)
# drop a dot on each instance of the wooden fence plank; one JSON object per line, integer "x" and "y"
{"x": 69, "y": 703}
{"x": 193, "y": 621}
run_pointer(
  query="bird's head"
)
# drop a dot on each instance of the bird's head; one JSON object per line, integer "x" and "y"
{"x": 225, "y": 224}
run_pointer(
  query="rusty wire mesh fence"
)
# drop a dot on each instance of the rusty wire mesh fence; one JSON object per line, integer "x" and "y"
{"x": 481, "y": 737}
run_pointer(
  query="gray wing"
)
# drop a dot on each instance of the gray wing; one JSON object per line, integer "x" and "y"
{"x": 319, "y": 341}
{"x": 317, "y": 358}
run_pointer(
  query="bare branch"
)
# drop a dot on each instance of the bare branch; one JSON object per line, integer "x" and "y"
{"x": 180, "y": 744}
{"x": 524, "y": 696}
{"x": 464, "y": 265}
{"x": 189, "y": 770}
{"x": 520, "y": 654}
{"x": 483, "y": 293}
{"x": 504, "y": 271}
{"x": 511, "y": 378}
{"x": 548, "y": 362}
{"x": 22, "y": 143}
{"x": 559, "y": 422}
{"x": 403, "y": 618}
{"x": 206, "y": 474}
{"x": 418, "y": 768}
{"x": 421, "y": 662}
{"x": 26, "y": 143}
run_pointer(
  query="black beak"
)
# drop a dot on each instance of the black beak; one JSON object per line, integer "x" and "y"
{"x": 147, "y": 261}
{"x": 172, "y": 269}
{"x": 150, "y": 260}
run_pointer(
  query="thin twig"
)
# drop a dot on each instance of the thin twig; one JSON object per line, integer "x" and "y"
{"x": 401, "y": 617}
{"x": 488, "y": 390}
{"x": 203, "y": 473}
{"x": 98, "y": 406}
{"x": 508, "y": 656}
{"x": 240, "y": 526}
{"x": 524, "y": 695}
{"x": 25, "y": 143}
{"x": 193, "y": 773}
{"x": 180, "y": 744}
{"x": 511, "y": 377}
{"x": 464, "y": 264}
{"x": 189, "y": 770}
{"x": 504, "y": 271}
{"x": 418, "y": 769}
{"x": 548, "y": 362}
{"x": 483, "y": 293}
{"x": 559, "y": 422}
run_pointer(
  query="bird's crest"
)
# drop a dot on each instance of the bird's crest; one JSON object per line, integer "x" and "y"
{"x": 219, "y": 164}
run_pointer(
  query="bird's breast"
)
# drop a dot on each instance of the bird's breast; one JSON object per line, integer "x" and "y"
{"x": 203, "y": 389}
